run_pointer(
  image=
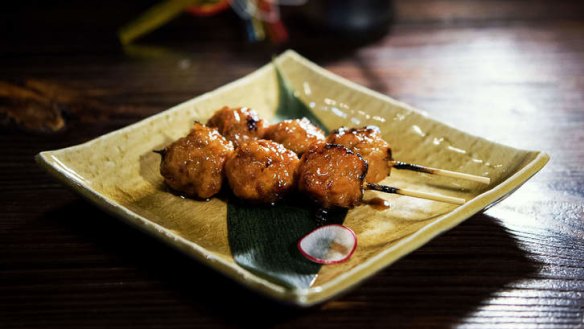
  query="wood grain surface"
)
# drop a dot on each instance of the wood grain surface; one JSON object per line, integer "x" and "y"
{"x": 511, "y": 71}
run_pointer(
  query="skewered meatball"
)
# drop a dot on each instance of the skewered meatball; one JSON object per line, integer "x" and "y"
{"x": 261, "y": 171}
{"x": 238, "y": 124}
{"x": 194, "y": 164}
{"x": 296, "y": 135}
{"x": 367, "y": 142}
{"x": 332, "y": 175}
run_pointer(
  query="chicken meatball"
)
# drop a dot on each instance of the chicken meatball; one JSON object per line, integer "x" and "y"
{"x": 296, "y": 135}
{"x": 238, "y": 124}
{"x": 194, "y": 164}
{"x": 332, "y": 175}
{"x": 261, "y": 171}
{"x": 368, "y": 143}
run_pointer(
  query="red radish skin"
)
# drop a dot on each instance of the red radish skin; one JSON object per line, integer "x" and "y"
{"x": 324, "y": 260}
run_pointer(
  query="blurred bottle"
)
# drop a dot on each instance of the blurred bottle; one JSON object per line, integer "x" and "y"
{"x": 350, "y": 17}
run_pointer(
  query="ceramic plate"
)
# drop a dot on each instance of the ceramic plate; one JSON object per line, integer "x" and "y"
{"x": 119, "y": 172}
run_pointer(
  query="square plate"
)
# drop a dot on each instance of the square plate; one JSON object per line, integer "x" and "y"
{"x": 119, "y": 172}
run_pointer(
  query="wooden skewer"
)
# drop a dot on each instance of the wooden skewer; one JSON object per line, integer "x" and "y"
{"x": 439, "y": 172}
{"x": 415, "y": 194}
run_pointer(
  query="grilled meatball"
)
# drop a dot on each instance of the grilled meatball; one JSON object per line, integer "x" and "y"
{"x": 332, "y": 175}
{"x": 194, "y": 164}
{"x": 368, "y": 143}
{"x": 238, "y": 124}
{"x": 261, "y": 171}
{"x": 296, "y": 135}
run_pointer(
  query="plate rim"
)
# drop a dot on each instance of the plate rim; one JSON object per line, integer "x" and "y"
{"x": 50, "y": 162}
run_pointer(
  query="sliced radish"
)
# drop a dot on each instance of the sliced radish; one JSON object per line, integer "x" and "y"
{"x": 329, "y": 244}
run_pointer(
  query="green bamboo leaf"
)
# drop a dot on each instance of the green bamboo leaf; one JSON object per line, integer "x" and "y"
{"x": 263, "y": 238}
{"x": 289, "y": 105}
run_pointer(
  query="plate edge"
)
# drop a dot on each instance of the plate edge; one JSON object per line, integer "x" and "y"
{"x": 300, "y": 297}
{"x": 383, "y": 97}
{"x": 427, "y": 233}
{"x": 233, "y": 271}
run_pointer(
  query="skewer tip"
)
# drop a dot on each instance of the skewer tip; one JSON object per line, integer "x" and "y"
{"x": 415, "y": 194}
{"x": 439, "y": 172}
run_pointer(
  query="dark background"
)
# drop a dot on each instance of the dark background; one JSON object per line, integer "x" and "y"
{"x": 511, "y": 71}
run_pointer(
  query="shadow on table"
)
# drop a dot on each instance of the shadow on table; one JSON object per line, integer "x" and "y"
{"x": 436, "y": 286}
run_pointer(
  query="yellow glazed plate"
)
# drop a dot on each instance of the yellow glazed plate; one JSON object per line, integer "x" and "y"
{"x": 119, "y": 172}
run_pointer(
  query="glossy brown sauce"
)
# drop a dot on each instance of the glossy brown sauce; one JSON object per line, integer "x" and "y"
{"x": 378, "y": 203}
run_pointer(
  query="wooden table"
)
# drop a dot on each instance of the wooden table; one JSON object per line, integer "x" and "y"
{"x": 512, "y": 71}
